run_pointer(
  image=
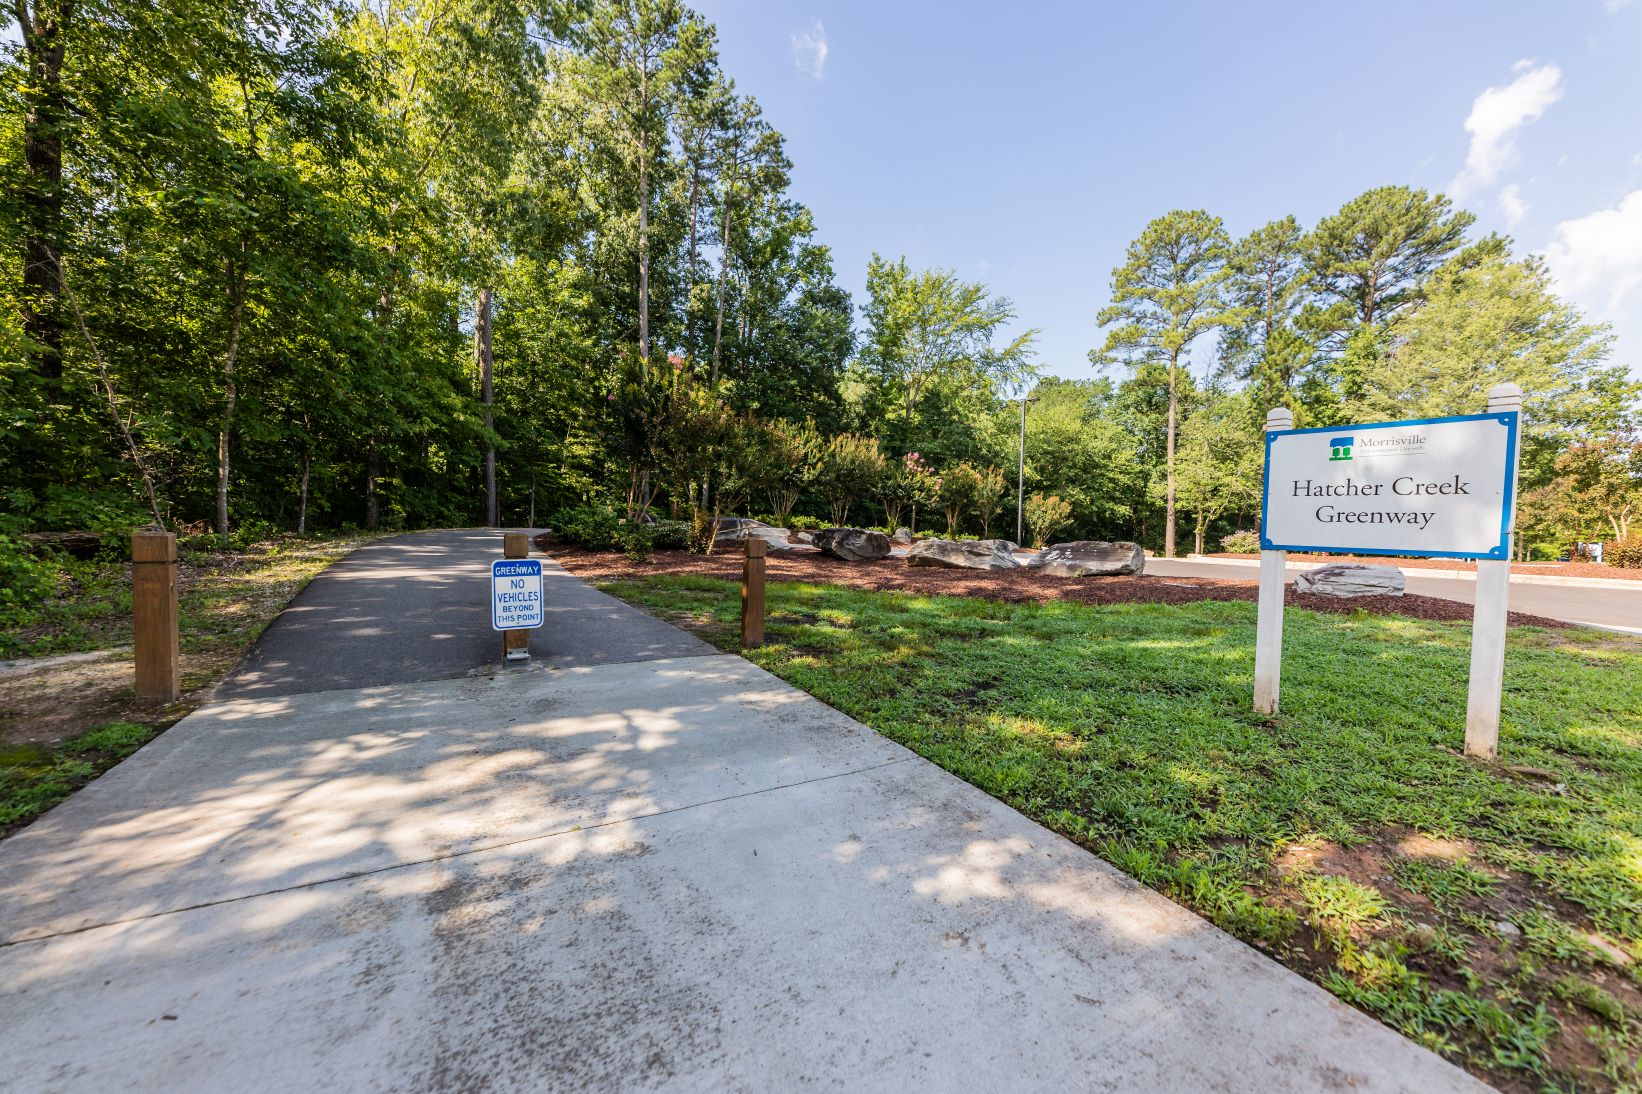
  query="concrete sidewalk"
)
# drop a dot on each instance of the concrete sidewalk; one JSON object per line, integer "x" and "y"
{"x": 678, "y": 873}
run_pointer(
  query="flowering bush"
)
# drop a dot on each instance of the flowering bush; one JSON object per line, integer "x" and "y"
{"x": 1045, "y": 516}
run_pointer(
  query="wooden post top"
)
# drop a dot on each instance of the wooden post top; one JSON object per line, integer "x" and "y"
{"x": 757, "y": 547}
{"x": 153, "y": 545}
{"x": 515, "y": 545}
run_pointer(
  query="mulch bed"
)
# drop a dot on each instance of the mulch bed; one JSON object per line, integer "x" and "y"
{"x": 1544, "y": 569}
{"x": 1010, "y": 586}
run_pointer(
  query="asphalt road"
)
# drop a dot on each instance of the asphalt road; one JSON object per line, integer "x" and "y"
{"x": 1613, "y": 608}
{"x": 414, "y": 607}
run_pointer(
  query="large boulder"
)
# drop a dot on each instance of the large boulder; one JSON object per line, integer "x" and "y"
{"x": 852, "y": 544}
{"x": 1351, "y": 579}
{"x": 902, "y": 537}
{"x": 1090, "y": 558}
{"x": 977, "y": 554}
{"x": 733, "y": 530}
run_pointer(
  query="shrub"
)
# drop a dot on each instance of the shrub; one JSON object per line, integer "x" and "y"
{"x": 595, "y": 527}
{"x": 25, "y": 580}
{"x": 635, "y": 541}
{"x": 703, "y": 527}
{"x": 1045, "y": 516}
{"x": 851, "y": 466}
{"x": 1240, "y": 543}
{"x": 670, "y": 535}
{"x": 1623, "y": 552}
{"x": 252, "y": 532}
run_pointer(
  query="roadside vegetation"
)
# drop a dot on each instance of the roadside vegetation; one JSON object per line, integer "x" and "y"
{"x": 67, "y": 709}
{"x": 1492, "y": 912}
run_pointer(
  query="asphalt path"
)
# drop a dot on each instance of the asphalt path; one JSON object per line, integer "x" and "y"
{"x": 414, "y": 607}
{"x": 1613, "y": 606}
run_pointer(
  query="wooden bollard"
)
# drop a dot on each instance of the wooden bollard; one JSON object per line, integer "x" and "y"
{"x": 752, "y": 593}
{"x": 515, "y": 545}
{"x": 154, "y": 615}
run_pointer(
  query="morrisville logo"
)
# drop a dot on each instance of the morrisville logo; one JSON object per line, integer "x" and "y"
{"x": 1340, "y": 448}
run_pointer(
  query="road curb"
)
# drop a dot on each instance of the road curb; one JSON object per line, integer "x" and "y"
{"x": 1449, "y": 575}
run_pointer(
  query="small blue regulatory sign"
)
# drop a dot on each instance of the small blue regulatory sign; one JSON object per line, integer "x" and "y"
{"x": 515, "y": 594}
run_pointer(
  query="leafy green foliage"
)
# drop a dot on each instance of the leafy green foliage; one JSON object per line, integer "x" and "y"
{"x": 596, "y": 527}
{"x": 1046, "y": 515}
{"x": 25, "y": 580}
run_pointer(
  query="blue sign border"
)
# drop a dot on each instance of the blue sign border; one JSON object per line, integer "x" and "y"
{"x": 1510, "y": 419}
{"x": 496, "y": 624}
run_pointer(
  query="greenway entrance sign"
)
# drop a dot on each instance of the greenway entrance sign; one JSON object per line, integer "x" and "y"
{"x": 515, "y": 594}
{"x": 1435, "y": 487}
{"x": 1430, "y": 487}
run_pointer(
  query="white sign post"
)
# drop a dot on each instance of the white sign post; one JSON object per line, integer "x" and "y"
{"x": 1435, "y": 487}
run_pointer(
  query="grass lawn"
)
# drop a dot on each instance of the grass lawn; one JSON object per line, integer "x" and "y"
{"x": 1492, "y": 914}
{"x": 64, "y": 721}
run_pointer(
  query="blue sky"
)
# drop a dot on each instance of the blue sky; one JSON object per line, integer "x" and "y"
{"x": 1026, "y": 144}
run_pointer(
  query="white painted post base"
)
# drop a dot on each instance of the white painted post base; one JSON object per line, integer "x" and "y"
{"x": 1488, "y": 620}
{"x": 1268, "y": 640}
{"x": 1487, "y": 659}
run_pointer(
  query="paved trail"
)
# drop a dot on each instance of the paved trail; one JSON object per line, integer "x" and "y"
{"x": 638, "y": 864}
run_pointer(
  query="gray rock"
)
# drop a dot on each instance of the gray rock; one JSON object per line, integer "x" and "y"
{"x": 801, "y": 537}
{"x": 732, "y": 530}
{"x": 902, "y": 537}
{"x": 1090, "y": 558}
{"x": 1507, "y": 929}
{"x": 852, "y": 544}
{"x": 1351, "y": 579}
{"x": 980, "y": 554}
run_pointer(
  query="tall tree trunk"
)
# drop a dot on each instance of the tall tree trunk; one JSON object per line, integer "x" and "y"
{"x": 724, "y": 264}
{"x": 373, "y": 499}
{"x": 695, "y": 216}
{"x": 302, "y": 492}
{"x": 482, "y": 348}
{"x": 1169, "y": 495}
{"x": 236, "y": 294}
{"x": 644, "y": 222}
{"x": 45, "y": 112}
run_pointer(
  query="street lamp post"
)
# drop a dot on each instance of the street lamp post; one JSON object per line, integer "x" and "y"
{"x": 1020, "y": 480}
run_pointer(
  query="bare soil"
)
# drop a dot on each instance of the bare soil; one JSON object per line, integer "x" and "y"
{"x": 1545, "y": 569}
{"x": 1010, "y": 586}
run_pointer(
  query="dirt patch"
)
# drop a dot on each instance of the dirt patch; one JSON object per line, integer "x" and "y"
{"x": 1544, "y": 569}
{"x": 59, "y": 701}
{"x": 1009, "y": 586}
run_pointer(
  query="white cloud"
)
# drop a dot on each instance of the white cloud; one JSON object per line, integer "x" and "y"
{"x": 1496, "y": 115}
{"x": 1597, "y": 259}
{"x": 809, "y": 50}
{"x": 1614, "y": 5}
{"x": 1512, "y": 205}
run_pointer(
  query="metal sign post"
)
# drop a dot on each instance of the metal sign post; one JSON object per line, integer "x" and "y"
{"x": 516, "y": 604}
{"x": 1429, "y": 487}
